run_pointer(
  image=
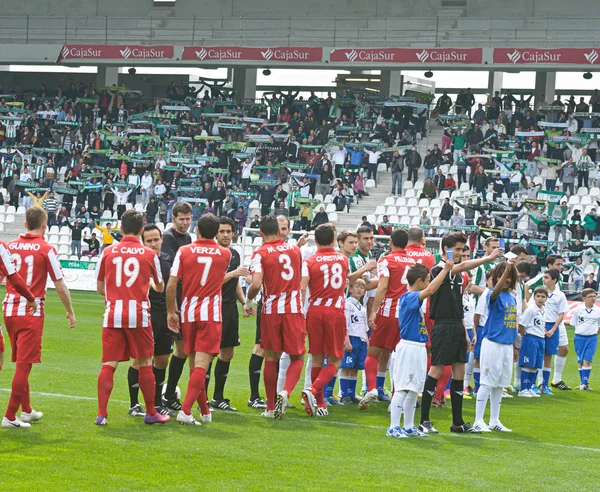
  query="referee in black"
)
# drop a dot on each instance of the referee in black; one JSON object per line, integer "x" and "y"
{"x": 231, "y": 293}
{"x": 448, "y": 335}
{"x": 173, "y": 239}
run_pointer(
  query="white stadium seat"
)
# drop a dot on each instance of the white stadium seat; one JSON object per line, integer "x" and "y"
{"x": 586, "y": 200}
{"x": 410, "y": 193}
{"x": 380, "y": 210}
{"x": 2, "y": 218}
{"x": 319, "y": 197}
{"x": 330, "y": 208}
{"x": 407, "y": 185}
{"x": 20, "y": 211}
{"x": 389, "y": 201}
{"x": 414, "y": 212}
{"x": 402, "y": 211}
{"x": 333, "y": 217}
{"x": 418, "y": 185}
{"x": 9, "y": 219}
{"x": 423, "y": 202}
{"x": 11, "y": 209}
{"x": 573, "y": 200}
{"x": 370, "y": 183}
{"x": 582, "y": 191}
{"x": 401, "y": 201}
{"x": 394, "y": 219}
{"x": 412, "y": 202}
{"x": 64, "y": 240}
{"x": 63, "y": 249}
{"x": 391, "y": 211}
{"x": 435, "y": 203}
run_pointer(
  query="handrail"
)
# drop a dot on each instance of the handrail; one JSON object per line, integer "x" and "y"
{"x": 335, "y": 31}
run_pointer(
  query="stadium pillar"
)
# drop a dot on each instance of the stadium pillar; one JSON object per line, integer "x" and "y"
{"x": 107, "y": 76}
{"x": 495, "y": 82}
{"x": 391, "y": 82}
{"x": 244, "y": 83}
{"x": 545, "y": 85}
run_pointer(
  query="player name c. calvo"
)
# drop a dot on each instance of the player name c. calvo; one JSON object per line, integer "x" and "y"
{"x": 286, "y": 54}
{"x": 408, "y": 55}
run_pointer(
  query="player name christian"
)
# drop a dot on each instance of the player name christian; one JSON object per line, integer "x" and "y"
{"x": 331, "y": 258}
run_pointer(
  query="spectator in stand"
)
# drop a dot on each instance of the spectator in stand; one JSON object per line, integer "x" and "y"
{"x": 412, "y": 160}
{"x": 240, "y": 219}
{"x": 384, "y": 229}
{"x": 590, "y": 221}
{"x": 51, "y": 207}
{"x": 397, "y": 167}
{"x": 449, "y": 184}
{"x": 430, "y": 165}
{"x": 584, "y": 166}
{"x": 480, "y": 182}
{"x": 373, "y": 160}
{"x": 325, "y": 180}
{"x": 76, "y": 229}
{"x": 568, "y": 172}
{"x": 320, "y": 217}
{"x": 93, "y": 244}
{"x": 446, "y": 212}
{"x": 591, "y": 283}
{"x": 439, "y": 180}
{"x": 424, "y": 221}
{"x": 151, "y": 210}
{"x": 458, "y": 219}
{"x": 429, "y": 190}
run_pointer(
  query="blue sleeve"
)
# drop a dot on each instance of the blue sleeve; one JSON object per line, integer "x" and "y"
{"x": 412, "y": 301}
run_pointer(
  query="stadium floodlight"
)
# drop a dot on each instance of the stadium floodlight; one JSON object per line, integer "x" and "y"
{"x": 428, "y": 74}
{"x": 266, "y": 72}
{"x": 587, "y": 75}
{"x": 132, "y": 71}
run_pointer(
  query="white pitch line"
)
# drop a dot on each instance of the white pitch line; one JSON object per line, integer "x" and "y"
{"x": 331, "y": 422}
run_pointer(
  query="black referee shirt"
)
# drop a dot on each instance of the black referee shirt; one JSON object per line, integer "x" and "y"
{"x": 172, "y": 241}
{"x": 446, "y": 303}
{"x": 158, "y": 300}
{"x": 229, "y": 293}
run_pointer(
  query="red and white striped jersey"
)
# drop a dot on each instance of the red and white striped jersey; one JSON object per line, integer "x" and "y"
{"x": 281, "y": 266}
{"x": 7, "y": 266}
{"x": 328, "y": 271}
{"x": 394, "y": 266}
{"x": 126, "y": 269}
{"x": 420, "y": 255}
{"x": 34, "y": 259}
{"x": 201, "y": 266}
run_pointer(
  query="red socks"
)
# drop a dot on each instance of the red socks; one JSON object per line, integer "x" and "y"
{"x": 203, "y": 403}
{"x": 148, "y": 386}
{"x": 196, "y": 385}
{"x": 20, "y": 384}
{"x": 26, "y": 401}
{"x": 105, "y": 386}
{"x": 270, "y": 380}
{"x": 371, "y": 365}
{"x": 443, "y": 382}
{"x": 293, "y": 375}
{"x": 324, "y": 375}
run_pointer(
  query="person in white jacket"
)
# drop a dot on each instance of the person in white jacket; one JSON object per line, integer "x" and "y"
{"x": 247, "y": 166}
{"x": 146, "y": 185}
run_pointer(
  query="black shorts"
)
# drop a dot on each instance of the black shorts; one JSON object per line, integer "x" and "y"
{"x": 230, "y": 336}
{"x": 258, "y": 311}
{"x": 448, "y": 343}
{"x": 163, "y": 337}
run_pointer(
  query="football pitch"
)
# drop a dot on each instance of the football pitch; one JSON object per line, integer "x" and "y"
{"x": 555, "y": 441}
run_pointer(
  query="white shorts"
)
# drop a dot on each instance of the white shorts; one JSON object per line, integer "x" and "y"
{"x": 410, "y": 366}
{"x": 563, "y": 339}
{"x": 496, "y": 363}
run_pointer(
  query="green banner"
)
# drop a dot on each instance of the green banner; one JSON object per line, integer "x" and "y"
{"x": 263, "y": 182}
{"x": 65, "y": 191}
{"x": 84, "y": 100}
{"x": 68, "y": 123}
{"x": 218, "y": 171}
{"x": 191, "y": 189}
{"x": 78, "y": 265}
{"x": 550, "y": 196}
{"x": 26, "y": 184}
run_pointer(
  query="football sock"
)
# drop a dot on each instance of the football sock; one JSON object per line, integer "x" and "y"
{"x": 371, "y": 363}
{"x": 527, "y": 379}
{"x": 469, "y": 369}
{"x": 352, "y": 386}
{"x": 134, "y": 386}
{"x": 585, "y": 374}
{"x": 284, "y": 364}
{"x": 105, "y": 386}
{"x": 482, "y": 397}
{"x": 159, "y": 378}
{"x": 546, "y": 376}
{"x": 476, "y": 378}
{"x": 410, "y": 406}
{"x": 293, "y": 375}
{"x": 329, "y": 387}
{"x": 176, "y": 366}
{"x": 344, "y": 387}
{"x": 19, "y": 387}
{"x": 495, "y": 402}
{"x": 442, "y": 384}
{"x": 456, "y": 397}
{"x": 148, "y": 387}
{"x": 195, "y": 387}
{"x": 380, "y": 382}
{"x": 254, "y": 370}
{"x": 307, "y": 371}
{"x": 26, "y": 400}
{"x": 397, "y": 406}
{"x": 270, "y": 381}
{"x": 428, "y": 392}
{"x": 559, "y": 367}
{"x": 221, "y": 373}
{"x": 314, "y": 375}
{"x": 363, "y": 380}
{"x": 539, "y": 377}
{"x": 581, "y": 375}
{"x": 517, "y": 380}
{"x": 325, "y": 375}
{"x": 207, "y": 378}
{"x": 203, "y": 403}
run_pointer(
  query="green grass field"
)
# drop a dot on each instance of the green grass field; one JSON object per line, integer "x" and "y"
{"x": 555, "y": 441}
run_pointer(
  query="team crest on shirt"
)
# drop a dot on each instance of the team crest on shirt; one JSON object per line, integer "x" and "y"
{"x": 411, "y": 377}
{"x": 487, "y": 370}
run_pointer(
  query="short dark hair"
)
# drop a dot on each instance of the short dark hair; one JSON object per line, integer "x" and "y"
{"x": 452, "y": 239}
{"x": 324, "y": 235}
{"x": 269, "y": 225}
{"x": 415, "y": 234}
{"x": 132, "y": 222}
{"x": 363, "y": 230}
{"x": 224, "y": 220}
{"x": 553, "y": 273}
{"x": 345, "y": 234}
{"x": 151, "y": 227}
{"x": 587, "y": 292}
{"x": 491, "y": 239}
{"x": 208, "y": 226}
{"x": 524, "y": 267}
{"x": 416, "y": 272}
{"x": 551, "y": 259}
{"x": 181, "y": 208}
{"x": 518, "y": 249}
{"x": 541, "y": 290}
{"x": 399, "y": 238}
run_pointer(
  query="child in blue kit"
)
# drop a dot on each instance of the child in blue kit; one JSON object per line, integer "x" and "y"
{"x": 586, "y": 321}
{"x": 532, "y": 326}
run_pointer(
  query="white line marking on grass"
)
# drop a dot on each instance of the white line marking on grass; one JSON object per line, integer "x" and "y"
{"x": 331, "y": 422}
